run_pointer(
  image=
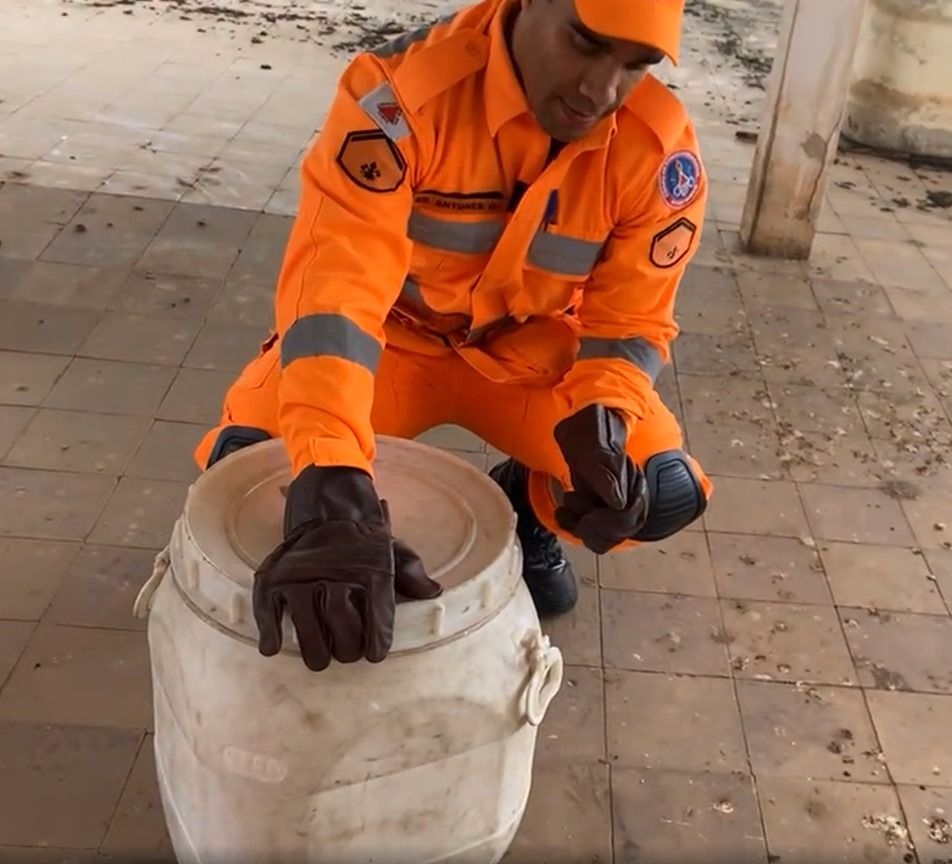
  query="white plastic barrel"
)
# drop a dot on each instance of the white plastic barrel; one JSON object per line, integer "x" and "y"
{"x": 425, "y": 757}
{"x": 901, "y": 95}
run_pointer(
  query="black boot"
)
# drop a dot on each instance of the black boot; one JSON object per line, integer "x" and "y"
{"x": 545, "y": 569}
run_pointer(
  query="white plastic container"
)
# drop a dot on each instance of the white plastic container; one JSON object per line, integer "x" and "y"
{"x": 425, "y": 757}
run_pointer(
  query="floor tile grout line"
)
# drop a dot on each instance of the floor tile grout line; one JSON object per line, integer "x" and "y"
{"x": 5, "y": 679}
{"x": 736, "y": 700}
{"x": 88, "y": 200}
{"x": 750, "y": 601}
{"x": 79, "y": 628}
{"x": 720, "y": 599}
{"x": 34, "y": 634}
{"x": 863, "y": 689}
{"x": 32, "y": 410}
{"x": 770, "y": 776}
{"x": 866, "y": 418}
{"x": 35, "y": 98}
{"x": 135, "y": 455}
{"x": 893, "y": 784}
{"x": 50, "y": 408}
{"x": 735, "y": 686}
{"x": 78, "y": 355}
{"x": 62, "y": 227}
{"x": 882, "y": 286}
{"x": 125, "y": 785}
{"x": 604, "y": 694}
{"x": 856, "y": 672}
{"x": 944, "y": 405}
{"x": 877, "y": 737}
{"x": 626, "y": 765}
{"x": 854, "y": 403}
{"x": 728, "y": 676}
{"x": 45, "y": 406}
{"x": 240, "y": 249}
{"x": 946, "y": 598}
{"x": 33, "y": 848}
{"x": 23, "y": 169}
{"x": 774, "y": 536}
{"x": 75, "y": 552}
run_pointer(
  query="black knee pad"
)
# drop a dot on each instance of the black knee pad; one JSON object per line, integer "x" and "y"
{"x": 233, "y": 438}
{"x": 676, "y": 498}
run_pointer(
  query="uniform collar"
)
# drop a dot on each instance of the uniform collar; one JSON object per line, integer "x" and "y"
{"x": 601, "y": 135}
{"x": 504, "y": 95}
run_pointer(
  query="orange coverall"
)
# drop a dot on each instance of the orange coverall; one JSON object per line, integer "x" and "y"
{"x": 442, "y": 269}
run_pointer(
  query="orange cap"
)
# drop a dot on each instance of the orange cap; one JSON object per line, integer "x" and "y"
{"x": 652, "y": 22}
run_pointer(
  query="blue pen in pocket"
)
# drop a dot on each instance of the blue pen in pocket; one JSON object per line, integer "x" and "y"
{"x": 552, "y": 209}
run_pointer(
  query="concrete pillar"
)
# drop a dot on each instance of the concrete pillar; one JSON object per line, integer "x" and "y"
{"x": 901, "y": 97}
{"x": 800, "y": 129}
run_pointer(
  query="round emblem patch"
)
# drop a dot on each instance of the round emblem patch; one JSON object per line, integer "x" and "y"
{"x": 680, "y": 179}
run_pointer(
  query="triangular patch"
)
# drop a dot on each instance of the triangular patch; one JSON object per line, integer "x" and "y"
{"x": 390, "y": 111}
{"x": 381, "y": 106}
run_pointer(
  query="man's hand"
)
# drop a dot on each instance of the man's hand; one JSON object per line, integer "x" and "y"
{"x": 609, "y": 500}
{"x": 337, "y": 572}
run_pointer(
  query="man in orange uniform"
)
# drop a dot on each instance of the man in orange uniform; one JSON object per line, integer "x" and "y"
{"x": 493, "y": 224}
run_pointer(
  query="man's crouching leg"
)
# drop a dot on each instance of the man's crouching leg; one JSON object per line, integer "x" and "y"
{"x": 547, "y": 572}
{"x": 678, "y": 493}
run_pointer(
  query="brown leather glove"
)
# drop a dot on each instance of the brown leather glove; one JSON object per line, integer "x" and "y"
{"x": 337, "y": 572}
{"x": 609, "y": 500}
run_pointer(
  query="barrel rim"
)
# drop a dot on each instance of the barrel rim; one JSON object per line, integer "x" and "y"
{"x": 214, "y": 579}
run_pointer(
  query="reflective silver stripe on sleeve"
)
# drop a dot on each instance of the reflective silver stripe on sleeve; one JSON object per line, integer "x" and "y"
{"x": 639, "y": 352}
{"x": 451, "y": 235}
{"x": 560, "y": 254}
{"x": 329, "y": 335}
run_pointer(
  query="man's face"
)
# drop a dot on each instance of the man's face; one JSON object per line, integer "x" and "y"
{"x": 573, "y": 77}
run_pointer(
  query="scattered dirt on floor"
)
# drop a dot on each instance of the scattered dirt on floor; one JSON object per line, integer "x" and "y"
{"x": 745, "y": 34}
{"x": 892, "y": 829}
{"x": 352, "y": 27}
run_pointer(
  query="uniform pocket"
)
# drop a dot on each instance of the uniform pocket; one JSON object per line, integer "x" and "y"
{"x": 256, "y": 373}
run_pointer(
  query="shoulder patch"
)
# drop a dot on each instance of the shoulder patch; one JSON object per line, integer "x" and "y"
{"x": 680, "y": 179}
{"x": 372, "y": 161}
{"x": 670, "y": 245}
{"x": 381, "y": 106}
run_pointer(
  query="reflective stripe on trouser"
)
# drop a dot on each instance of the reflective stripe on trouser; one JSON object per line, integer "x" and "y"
{"x": 415, "y": 392}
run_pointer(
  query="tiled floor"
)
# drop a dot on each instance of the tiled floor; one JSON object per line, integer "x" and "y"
{"x": 771, "y": 685}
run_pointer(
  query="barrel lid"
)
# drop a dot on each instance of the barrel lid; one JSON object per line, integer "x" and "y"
{"x": 454, "y": 516}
